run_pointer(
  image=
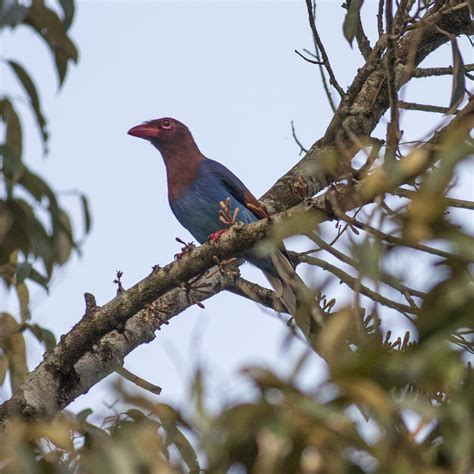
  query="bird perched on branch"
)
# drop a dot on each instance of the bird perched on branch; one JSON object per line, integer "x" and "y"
{"x": 206, "y": 198}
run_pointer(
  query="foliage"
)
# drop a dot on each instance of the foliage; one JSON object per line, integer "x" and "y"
{"x": 394, "y": 400}
{"x": 35, "y": 230}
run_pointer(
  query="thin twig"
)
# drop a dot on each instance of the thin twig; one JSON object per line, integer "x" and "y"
{"x": 355, "y": 284}
{"x": 323, "y": 77}
{"x": 438, "y": 71}
{"x": 400, "y": 15}
{"x": 302, "y": 148}
{"x": 380, "y": 18}
{"x": 451, "y": 202}
{"x": 391, "y": 239}
{"x": 307, "y": 59}
{"x": 324, "y": 56}
{"x": 364, "y": 170}
{"x": 362, "y": 41}
{"x": 423, "y": 107}
{"x": 387, "y": 279}
{"x": 138, "y": 381}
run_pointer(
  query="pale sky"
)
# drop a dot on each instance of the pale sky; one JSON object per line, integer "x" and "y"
{"x": 226, "y": 69}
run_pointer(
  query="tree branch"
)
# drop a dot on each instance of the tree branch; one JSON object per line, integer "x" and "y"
{"x": 451, "y": 202}
{"x": 354, "y": 284}
{"x": 438, "y": 71}
{"x": 324, "y": 56}
{"x": 423, "y": 107}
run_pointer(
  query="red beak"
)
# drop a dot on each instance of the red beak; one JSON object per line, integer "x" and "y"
{"x": 145, "y": 131}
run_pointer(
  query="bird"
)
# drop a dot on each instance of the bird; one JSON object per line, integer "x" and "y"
{"x": 198, "y": 187}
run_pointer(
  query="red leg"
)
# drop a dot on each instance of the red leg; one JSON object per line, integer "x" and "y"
{"x": 215, "y": 235}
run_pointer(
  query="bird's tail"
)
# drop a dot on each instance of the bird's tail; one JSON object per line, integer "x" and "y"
{"x": 294, "y": 294}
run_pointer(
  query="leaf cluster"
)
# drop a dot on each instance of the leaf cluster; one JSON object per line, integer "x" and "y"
{"x": 36, "y": 234}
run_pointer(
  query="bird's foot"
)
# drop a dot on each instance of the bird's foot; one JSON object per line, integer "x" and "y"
{"x": 187, "y": 247}
{"x": 216, "y": 235}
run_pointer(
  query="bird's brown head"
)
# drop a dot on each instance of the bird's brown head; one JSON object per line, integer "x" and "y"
{"x": 166, "y": 134}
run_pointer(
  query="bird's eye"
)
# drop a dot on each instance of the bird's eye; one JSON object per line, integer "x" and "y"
{"x": 167, "y": 124}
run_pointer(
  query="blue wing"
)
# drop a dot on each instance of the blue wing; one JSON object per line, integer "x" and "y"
{"x": 237, "y": 189}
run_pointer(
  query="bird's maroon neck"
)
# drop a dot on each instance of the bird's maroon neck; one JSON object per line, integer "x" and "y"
{"x": 182, "y": 162}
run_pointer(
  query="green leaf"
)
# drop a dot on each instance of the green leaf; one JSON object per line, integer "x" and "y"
{"x": 32, "y": 92}
{"x": 45, "y": 336}
{"x": 37, "y": 277}
{"x": 60, "y": 223}
{"x": 352, "y": 19}
{"x": 24, "y": 300}
{"x": 459, "y": 86}
{"x": 13, "y": 167}
{"x": 68, "y": 10}
{"x": 187, "y": 452}
{"x": 86, "y": 213}
{"x": 13, "y": 346}
{"x": 63, "y": 239}
{"x": 84, "y": 414}
{"x": 50, "y": 27}
{"x": 13, "y": 134}
{"x": 23, "y": 224}
{"x": 25, "y": 270}
{"x": 12, "y": 13}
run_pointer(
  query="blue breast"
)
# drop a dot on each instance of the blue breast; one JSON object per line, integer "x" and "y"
{"x": 197, "y": 209}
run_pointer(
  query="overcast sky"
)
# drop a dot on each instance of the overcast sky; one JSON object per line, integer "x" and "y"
{"x": 227, "y": 70}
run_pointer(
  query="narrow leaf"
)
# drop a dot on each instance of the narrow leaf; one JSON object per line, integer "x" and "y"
{"x": 32, "y": 92}
{"x": 38, "y": 188}
{"x": 63, "y": 240}
{"x": 13, "y": 346}
{"x": 23, "y": 271}
{"x": 13, "y": 167}
{"x": 50, "y": 27}
{"x": 37, "y": 277}
{"x": 459, "y": 87}
{"x": 45, "y": 336}
{"x": 14, "y": 135}
{"x": 68, "y": 10}
{"x": 187, "y": 452}
{"x": 24, "y": 301}
{"x": 83, "y": 414}
{"x": 352, "y": 19}
{"x": 86, "y": 213}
